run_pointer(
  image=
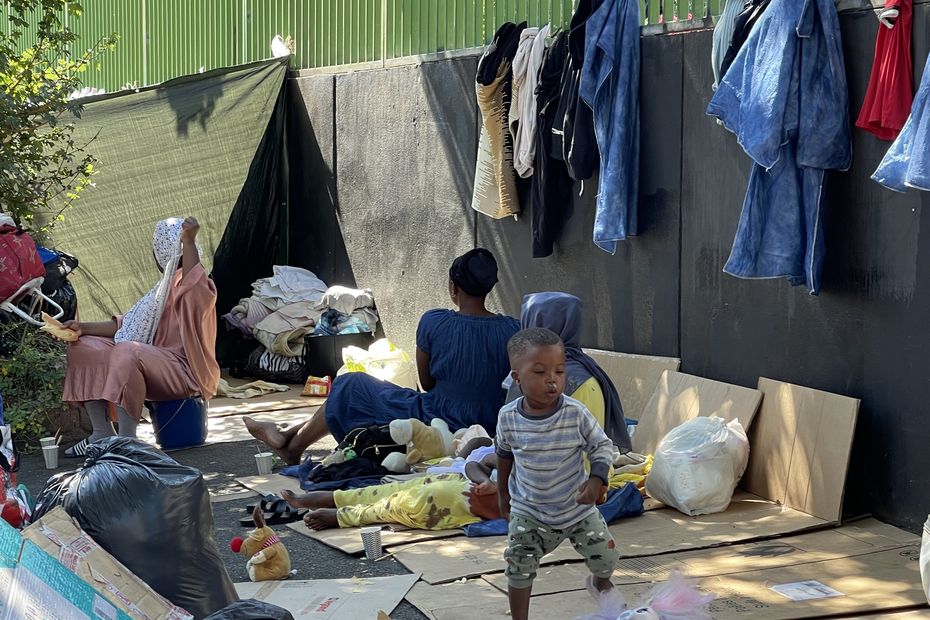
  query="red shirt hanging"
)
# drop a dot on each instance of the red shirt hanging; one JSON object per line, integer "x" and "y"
{"x": 888, "y": 98}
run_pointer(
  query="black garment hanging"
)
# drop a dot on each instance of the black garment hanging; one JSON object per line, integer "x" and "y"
{"x": 502, "y": 48}
{"x": 552, "y": 186}
{"x": 742, "y": 26}
{"x": 574, "y": 140}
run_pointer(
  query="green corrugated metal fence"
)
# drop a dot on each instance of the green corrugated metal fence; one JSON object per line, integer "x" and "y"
{"x": 162, "y": 39}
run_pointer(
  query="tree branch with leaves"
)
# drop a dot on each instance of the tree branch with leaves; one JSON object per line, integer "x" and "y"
{"x": 43, "y": 170}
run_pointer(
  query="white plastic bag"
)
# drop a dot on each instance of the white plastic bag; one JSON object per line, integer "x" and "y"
{"x": 925, "y": 559}
{"x": 698, "y": 465}
{"x": 383, "y": 360}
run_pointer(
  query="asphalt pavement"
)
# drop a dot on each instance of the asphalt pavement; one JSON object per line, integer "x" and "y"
{"x": 220, "y": 465}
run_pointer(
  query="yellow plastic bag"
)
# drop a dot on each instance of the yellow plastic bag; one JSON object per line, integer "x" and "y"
{"x": 383, "y": 360}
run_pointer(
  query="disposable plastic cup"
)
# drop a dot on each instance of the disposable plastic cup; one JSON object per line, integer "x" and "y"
{"x": 264, "y": 461}
{"x": 51, "y": 456}
{"x": 371, "y": 539}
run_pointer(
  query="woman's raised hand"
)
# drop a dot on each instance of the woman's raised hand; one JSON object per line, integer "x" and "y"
{"x": 189, "y": 229}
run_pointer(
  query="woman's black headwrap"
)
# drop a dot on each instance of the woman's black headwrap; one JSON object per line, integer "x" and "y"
{"x": 475, "y": 272}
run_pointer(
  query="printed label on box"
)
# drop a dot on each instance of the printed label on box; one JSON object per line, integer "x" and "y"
{"x": 805, "y": 591}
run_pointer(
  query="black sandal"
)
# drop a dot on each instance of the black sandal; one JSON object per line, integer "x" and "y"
{"x": 281, "y": 513}
{"x": 266, "y": 503}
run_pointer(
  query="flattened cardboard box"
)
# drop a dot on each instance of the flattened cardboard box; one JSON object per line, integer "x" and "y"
{"x": 655, "y": 532}
{"x": 882, "y": 580}
{"x": 58, "y": 535}
{"x": 862, "y": 538}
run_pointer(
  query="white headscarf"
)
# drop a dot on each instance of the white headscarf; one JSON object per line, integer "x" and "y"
{"x": 140, "y": 323}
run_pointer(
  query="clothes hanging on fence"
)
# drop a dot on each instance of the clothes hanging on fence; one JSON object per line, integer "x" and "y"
{"x": 495, "y": 192}
{"x": 889, "y": 96}
{"x": 573, "y": 138}
{"x": 743, "y": 24}
{"x": 907, "y": 162}
{"x": 723, "y": 36}
{"x": 610, "y": 85}
{"x": 523, "y": 110}
{"x": 551, "y": 196}
{"x": 785, "y": 97}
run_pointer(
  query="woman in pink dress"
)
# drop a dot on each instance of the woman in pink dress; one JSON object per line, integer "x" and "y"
{"x": 162, "y": 349}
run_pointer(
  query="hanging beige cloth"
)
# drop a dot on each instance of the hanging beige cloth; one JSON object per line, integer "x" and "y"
{"x": 495, "y": 192}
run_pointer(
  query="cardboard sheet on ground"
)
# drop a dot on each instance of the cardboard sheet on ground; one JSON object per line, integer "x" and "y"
{"x": 858, "y": 539}
{"x": 460, "y": 601}
{"x": 880, "y": 580}
{"x": 278, "y": 401}
{"x": 335, "y": 599}
{"x": 679, "y": 397}
{"x": 655, "y": 532}
{"x": 349, "y": 540}
{"x": 272, "y": 484}
{"x": 634, "y": 376}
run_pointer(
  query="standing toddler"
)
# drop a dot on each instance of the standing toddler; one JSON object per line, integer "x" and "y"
{"x": 543, "y": 489}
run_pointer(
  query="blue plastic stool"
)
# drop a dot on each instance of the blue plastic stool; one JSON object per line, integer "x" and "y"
{"x": 179, "y": 423}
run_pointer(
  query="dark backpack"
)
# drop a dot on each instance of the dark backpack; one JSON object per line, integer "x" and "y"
{"x": 370, "y": 442}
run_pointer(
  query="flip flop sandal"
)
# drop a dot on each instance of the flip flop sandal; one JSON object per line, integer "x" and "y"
{"x": 284, "y": 513}
{"x": 279, "y": 514}
{"x": 78, "y": 450}
{"x": 266, "y": 503}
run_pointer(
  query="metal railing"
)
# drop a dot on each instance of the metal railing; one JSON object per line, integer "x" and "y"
{"x": 162, "y": 39}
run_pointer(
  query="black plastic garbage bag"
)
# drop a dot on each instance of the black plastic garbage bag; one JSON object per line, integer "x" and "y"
{"x": 250, "y": 609}
{"x": 153, "y": 515}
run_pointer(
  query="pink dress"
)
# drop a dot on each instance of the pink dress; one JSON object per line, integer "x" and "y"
{"x": 180, "y": 364}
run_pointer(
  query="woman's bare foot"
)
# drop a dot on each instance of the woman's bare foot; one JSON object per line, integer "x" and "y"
{"x": 321, "y": 519}
{"x": 266, "y": 432}
{"x": 313, "y": 499}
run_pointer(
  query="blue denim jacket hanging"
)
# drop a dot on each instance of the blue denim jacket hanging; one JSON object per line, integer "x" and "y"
{"x": 610, "y": 85}
{"x": 907, "y": 162}
{"x": 785, "y": 97}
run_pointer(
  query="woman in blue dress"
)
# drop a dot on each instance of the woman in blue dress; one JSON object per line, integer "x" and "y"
{"x": 461, "y": 356}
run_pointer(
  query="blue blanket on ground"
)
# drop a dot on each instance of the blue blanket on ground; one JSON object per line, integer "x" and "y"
{"x": 302, "y": 473}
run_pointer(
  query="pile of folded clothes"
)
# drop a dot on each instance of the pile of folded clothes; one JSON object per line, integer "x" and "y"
{"x": 287, "y": 307}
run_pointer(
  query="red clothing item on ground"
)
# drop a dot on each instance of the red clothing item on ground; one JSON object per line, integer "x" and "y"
{"x": 890, "y": 93}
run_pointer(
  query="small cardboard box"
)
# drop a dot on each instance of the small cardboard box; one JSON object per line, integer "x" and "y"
{"x": 58, "y": 535}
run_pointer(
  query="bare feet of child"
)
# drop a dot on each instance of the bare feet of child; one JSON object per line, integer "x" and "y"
{"x": 313, "y": 499}
{"x": 321, "y": 519}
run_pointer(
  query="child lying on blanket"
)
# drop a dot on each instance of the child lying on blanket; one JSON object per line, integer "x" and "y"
{"x": 432, "y": 502}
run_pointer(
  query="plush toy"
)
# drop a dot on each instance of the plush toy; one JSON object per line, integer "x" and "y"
{"x": 268, "y": 558}
{"x": 423, "y": 443}
{"x": 674, "y": 599}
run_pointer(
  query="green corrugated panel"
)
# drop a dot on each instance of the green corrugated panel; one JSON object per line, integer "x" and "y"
{"x": 184, "y": 36}
{"x": 163, "y": 39}
{"x": 123, "y": 65}
{"x": 428, "y": 26}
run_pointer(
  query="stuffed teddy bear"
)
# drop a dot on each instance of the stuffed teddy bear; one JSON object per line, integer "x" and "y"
{"x": 268, "y": 558}
{"x": 423, "y": 443}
